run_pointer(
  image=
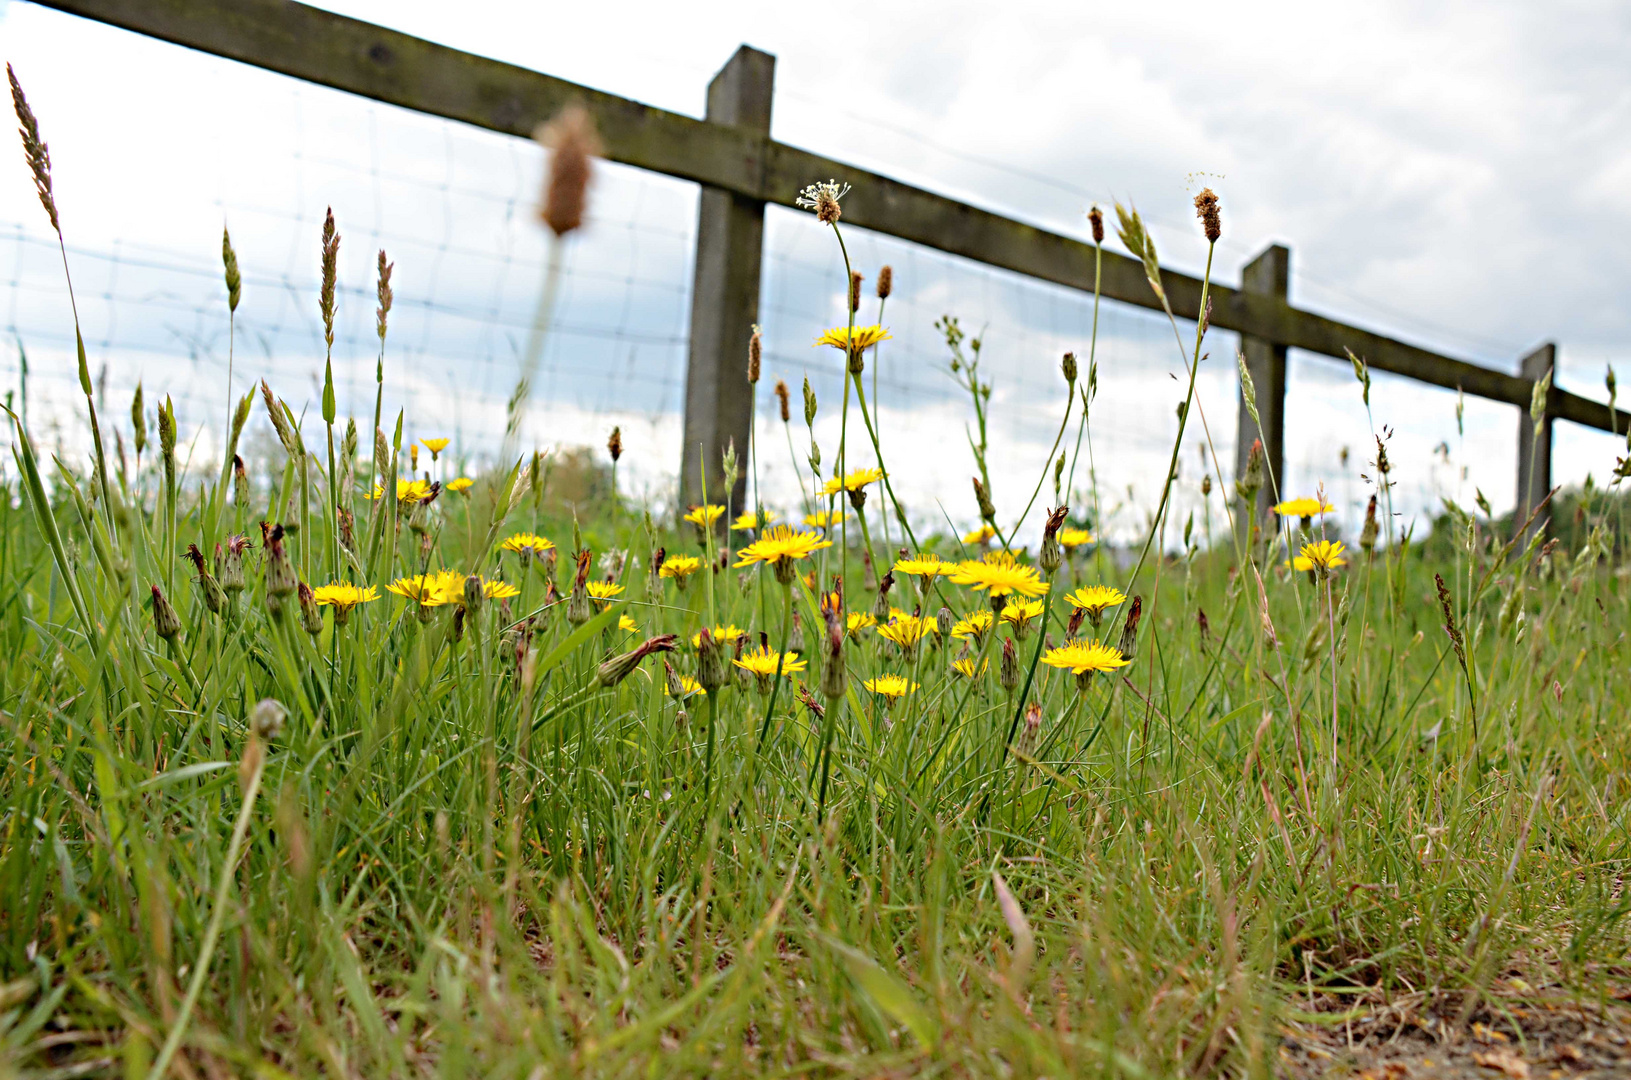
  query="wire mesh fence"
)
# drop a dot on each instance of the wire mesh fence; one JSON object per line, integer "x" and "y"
{"x": 148, "y": 178}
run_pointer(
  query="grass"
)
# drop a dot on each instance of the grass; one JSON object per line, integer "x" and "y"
{"x": 463, "y": 838}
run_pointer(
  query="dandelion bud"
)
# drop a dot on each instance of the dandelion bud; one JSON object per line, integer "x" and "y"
{"x": 712, "y": 664}
{"x": 474, "y": 593}
{"x": 1033, "y": 724}
{"x": 1206, "y": 208}
{"x": 1058, "y": 474}
{"x": 348, "y": 530}
{"x": 1205, "y": 625}
{"x": 1008, "y": 671}
{"x": 280, "y": 575}
{"x": 795, "y": 638}
{"x": 1095, "y": 218}
{"x": 781, "y": 397}
{"x": 578, "y": 608}
{"x": 571, "y": 136}
{"x": 311, "y": 616}
{"x": 419, "y": 518}
{"x": 832, "y": 672}
{"x": 413, "y": 457}
{"x": 855, "y": 280}
{"x": 886, "y": 282}
{"x": 1129, "y": 632}
{"x": 138, "y": 421}
{"x": 983, "y": 497}
{"x": 880, "y": 607}
{"x": 214, "y": 597}
{"x": 234, "y": 280}
{"x": 266, "y": 719}
{"x": 756, "y": 356}
{"x": 614, "y": 444}
{"x": 617, "y": 669}
{"x": 1367, "y": 535}
{"x": 944, "y": 620}
{"x": 671, "y": 678}
{"x": 229, "y": 563}
{"x": 1052, "y": 554}
{"x": 1068, "y": 366}
{"x": 1075, "y": 623}
{"x": 455, "y": 632}
{"x": 1251, "y": 481}
{"x": 166, "y": 623}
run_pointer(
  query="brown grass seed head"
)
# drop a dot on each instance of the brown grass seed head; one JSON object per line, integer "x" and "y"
{"x": 886, "y": 282}
{"x": 1095, "y": 217}
{"x": 39, "y": 156}
{"x": 574, "y": 144}
{"x": 1206, "y": 208}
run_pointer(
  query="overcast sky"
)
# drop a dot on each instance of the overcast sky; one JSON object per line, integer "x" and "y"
{"x": 1452, "y": 174}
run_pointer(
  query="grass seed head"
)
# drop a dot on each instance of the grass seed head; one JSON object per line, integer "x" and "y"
{"x": 886, "y": 282}
{"x": 574, "y": 145}
{"x": 34, "y": 148}
{"x": 756, "y": 356}
{"x": 234, "y": 280}
{"x": 781, "y": 398}
{"x": 1095, "y": 218}
{"x": 1206, "y": 208}
{"x": 614, "y": 444}
{"x": 855, "y": 280}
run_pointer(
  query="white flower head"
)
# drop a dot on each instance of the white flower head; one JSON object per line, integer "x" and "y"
{"x": 823, "y": 199}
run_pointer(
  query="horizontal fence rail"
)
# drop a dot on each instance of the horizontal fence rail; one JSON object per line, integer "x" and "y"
{"x": 739, "y": 158}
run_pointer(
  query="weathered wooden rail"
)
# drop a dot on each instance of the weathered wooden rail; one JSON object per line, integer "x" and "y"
{"x": 740, "y": 169}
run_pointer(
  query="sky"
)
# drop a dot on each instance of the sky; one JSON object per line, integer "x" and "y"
{"x": 1450, "y": 174}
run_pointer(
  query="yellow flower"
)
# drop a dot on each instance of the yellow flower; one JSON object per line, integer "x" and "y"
{"x": 762, "y": 661}
{"x": 343, "y": 596}
{"x": 689, "y": 685}
{"x": 1323, "y": 556}
{"x": 626, "y": 623}
{"x": 1093, "y": 599}
{"x": 905, "y": 630}
{"x": 1303, "y": 508}
{"x": 855, "y": 481}
{"x": 528, "y": 544}
{"x": 704, "y": 516}
{"x": 1019, "y": 613}
{"x": 860, "y": 620}
{"x": 601, "y": 592}
{"x": 926, "y": 566}
{"x": 890, "y": 686}
{"x": 407, "y": 491}
{"x": 980, "y": 535}
{"x": 1084, "y": 656}
{"x": 748, "y": 520}
{"x": 1001, "y": 574}
{"x": 1074, "y": 538}
{"x": 974, "y": 626}
{"x": 718, "y": 633}
{"x": 679, "y": 566}
{"x": 781, "y": 542}
{"x": 965, "y": 667}
{"x": 426, "y": 590}
{"x": 498, "y": 590}
{"x": 435, "y": 446}
{"x": 462, "y": 484}
{"x": 822, "y": 518}
{"x": 843, "y": 338}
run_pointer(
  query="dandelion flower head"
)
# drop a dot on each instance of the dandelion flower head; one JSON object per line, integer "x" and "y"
{"x": 705, "y": 515}
{"x": 762, "y": 661}
{"x": 855, "y": 481}
{"x": 1303, "y": 508}
{"x": 781, "y": 542}
{"x": 849, "y": 339}
{"x": 1084, "y": 656}
{"x": 890, "y": 686}
{"x": 1000, "y": 574}
{"x": 1095, "y": 598}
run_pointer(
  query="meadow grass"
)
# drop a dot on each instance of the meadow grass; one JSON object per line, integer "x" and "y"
{"x": 491, "y": 828}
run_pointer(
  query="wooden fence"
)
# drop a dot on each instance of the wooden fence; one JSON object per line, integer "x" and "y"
{"x": 740, "y": 169}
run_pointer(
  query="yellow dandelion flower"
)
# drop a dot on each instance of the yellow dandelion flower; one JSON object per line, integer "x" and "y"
{"x": 779, "y": 543}
{"x": 1303, "y": 508}
{"x": 498, "y": 590}
{"x": 747, "y": 519}
{"x": 626, "y": 623}
{"x": 1322, "y": 556}
{"x": 1085, "y": 656}
{"x": 426, "y": 590}
{"x": 718, "y": 633}
{"x": 762, "y": 661}
{"x": 974, "y": 626}
{"x": 855, "y": 481}
{"x": 679, "y": 566}
{"x": 601, "y": 592}
{"x": 528, "y": 544}
{"x": 1019, "y": 613}
{"x": 890, "y": 686}
{"x": 704, "y": 516}
{"x": 821, "y": 519}
{"x": 1000, "y": 574}
{"x": 460, "y": 485}
{"x": 905, "y": 630}
{"x": 689, "y": 686}
{"x": 1093, "y": 599}
{"x": 407, "y": 491}
{"x": 927, "y": 565}
{"x": 965, "y": 667}
{"x": 860, "y": 620}
{"x": 435, "y": 446}
{"x": 980, "y": 535}
{"x": 845, "y": 339}
{"x": 343, "y": 596}
{"x": 1075, "y": 538}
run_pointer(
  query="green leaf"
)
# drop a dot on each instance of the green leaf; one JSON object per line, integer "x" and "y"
{"x": 889, "y": 994}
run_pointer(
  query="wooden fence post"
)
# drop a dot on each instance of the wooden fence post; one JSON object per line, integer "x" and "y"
{"x": 725, "y": 294}
{"x": 1535, "y": 450}
{"x": 1269, "y": 273}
